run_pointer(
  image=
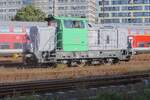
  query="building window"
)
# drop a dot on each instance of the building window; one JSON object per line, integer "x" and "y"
{"x": 12, "y": 10}
{"x": 121, "y": 14}
{"x": 147, "y": 20}
{"x": 132, "y": 8}
{"x": 141, "y": 1}
{"x": 103, "y": 2}
{"x": 110, "y": 21}
{"x": 103, "y": 14}
{"x": 147, "y": 7}
{"x": 132, "y": 20}
{"x": 110, "y": 9}
{"x": 3, "y": 3}
{"x": 136, "y": 14}
{"x": 118, "y": 2}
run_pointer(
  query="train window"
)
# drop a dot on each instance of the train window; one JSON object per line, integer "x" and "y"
{"x": 73, "y": 24}
{"x": 148, "y": 44}
{"x": 4, "y": 46}
{"x": 141, "y": 31}
{"x": 148, "y": 31}
{"x": 4, "y": 29}
{"x": 18, "y": 29}
{"x": 141, "y": 45}
{"x": 17, "y": 46}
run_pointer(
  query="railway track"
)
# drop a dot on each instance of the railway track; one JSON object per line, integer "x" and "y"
{"x": 44, "y": 86}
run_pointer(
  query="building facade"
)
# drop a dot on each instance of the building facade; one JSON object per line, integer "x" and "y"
{"x": 9, "y": 8}
{"x": 41, "y": 4}
{"x": 124, "y": 11}
{"x": 75, "y": 8}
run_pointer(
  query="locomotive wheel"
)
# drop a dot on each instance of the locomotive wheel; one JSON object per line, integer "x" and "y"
{"x": 82, "y": 64}
{"x": 53, "y": 65}
{"x": 116, "y": 61}
{"x": 29, "y": 60}
{"x": 72, "y": 64}
{"x": 109, "y": 61}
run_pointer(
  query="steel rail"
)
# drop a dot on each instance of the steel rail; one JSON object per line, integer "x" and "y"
{"x": 42, "y": 86}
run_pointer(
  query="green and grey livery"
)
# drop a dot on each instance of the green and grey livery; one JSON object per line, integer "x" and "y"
{"x": 73, "y": 40}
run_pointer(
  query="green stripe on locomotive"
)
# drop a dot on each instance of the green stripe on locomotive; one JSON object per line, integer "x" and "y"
{"x": 72, "y": 34}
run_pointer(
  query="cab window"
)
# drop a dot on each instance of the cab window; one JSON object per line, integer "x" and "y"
{"x": 73, "y": 24}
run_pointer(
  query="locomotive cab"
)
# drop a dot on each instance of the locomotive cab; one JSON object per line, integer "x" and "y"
{"x": 72, "y": 34}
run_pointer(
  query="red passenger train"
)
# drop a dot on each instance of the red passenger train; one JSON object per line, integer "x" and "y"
{"x": 13, "y": 42}
{"x": 140, "y": 38}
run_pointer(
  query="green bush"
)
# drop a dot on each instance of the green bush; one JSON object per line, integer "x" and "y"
{"x": 143, "y": 96}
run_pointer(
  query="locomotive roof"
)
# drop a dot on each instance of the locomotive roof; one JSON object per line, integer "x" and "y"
{"x": 49, "y": 18}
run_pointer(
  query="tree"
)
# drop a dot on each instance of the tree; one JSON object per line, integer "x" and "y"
{"x": 30, "y": 13}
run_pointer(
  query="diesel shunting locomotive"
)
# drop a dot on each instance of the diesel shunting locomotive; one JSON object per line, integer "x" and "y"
{"x": 74, "y": 41}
